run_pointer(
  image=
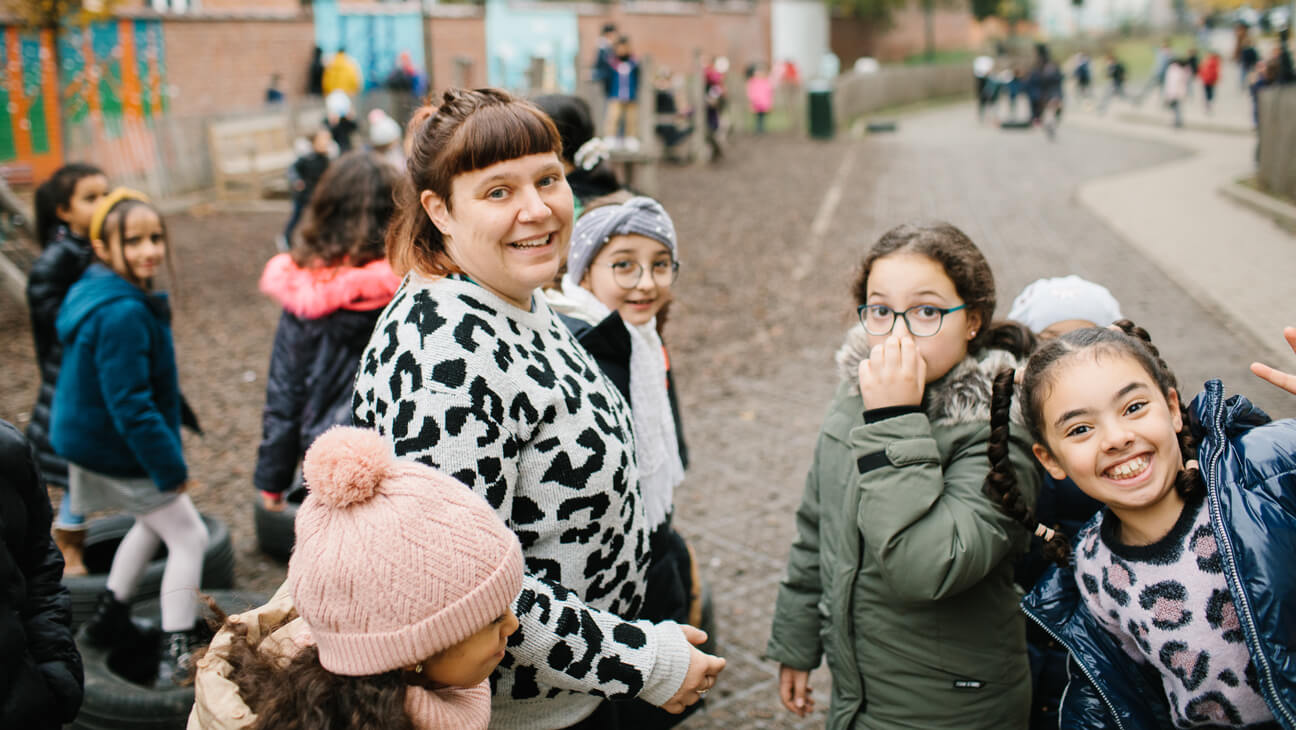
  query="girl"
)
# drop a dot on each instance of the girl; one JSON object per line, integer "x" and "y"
{"x": 332, "y": 287}
{"x": 620, "y": 268}
{"x": 64, "y": 205}
{"x": 116, "y": 420}
{"x": 1176, "y": 612}
{"x": 395, "y": 611}
{"x": 902, "y": 572}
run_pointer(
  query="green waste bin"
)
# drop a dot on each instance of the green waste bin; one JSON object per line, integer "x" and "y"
{"x": 821, "y": 111}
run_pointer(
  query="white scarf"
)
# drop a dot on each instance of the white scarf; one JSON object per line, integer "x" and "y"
{"x": 656, "y": 444}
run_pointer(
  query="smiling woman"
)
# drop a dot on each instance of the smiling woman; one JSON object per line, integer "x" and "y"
{"x": 469, "y": 371}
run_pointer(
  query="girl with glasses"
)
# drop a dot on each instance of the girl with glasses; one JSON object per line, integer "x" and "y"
{"x": 902, "y": 571}
{"x": 620, "y": 267}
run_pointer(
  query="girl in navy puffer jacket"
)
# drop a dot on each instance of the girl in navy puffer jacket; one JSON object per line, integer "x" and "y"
{"x": 1178, "y": 608}
{"x": 332, "y": 287}
{"x": 116, "y": 420}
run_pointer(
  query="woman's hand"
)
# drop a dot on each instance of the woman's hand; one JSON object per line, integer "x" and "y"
{"x": 1286, "y": 381}
{"x": 794, "y": 690}
{"x": 702, "y": 673}
{"x": 894, "y": 374}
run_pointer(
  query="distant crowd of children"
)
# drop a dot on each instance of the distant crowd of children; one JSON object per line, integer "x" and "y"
{"x": 470, "y": 377}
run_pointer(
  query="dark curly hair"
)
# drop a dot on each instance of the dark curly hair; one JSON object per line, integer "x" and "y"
{"x": 348, "y": 214}
{"x": 301, "y": 694}
{"x": 1129, "y": 340}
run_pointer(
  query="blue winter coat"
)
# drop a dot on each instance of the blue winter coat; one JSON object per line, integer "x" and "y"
{"x": 1249, "y": 465}
{"x": 117, "y": 403}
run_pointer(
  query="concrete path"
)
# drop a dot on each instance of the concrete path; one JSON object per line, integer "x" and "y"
{"x": 1236, "y": 261}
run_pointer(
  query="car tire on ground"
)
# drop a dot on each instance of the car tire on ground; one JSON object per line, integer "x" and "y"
{"x": 113, "y": 702}
{"x": 104, "y": 534}
{"x": 274, "y": 530}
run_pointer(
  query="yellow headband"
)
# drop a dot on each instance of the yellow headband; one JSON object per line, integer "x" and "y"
{"x": 107, "y": 203}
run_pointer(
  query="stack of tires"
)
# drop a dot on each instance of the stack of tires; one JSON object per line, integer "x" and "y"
{"x": 117, "y": 691}
{"x": 274, "y": 530}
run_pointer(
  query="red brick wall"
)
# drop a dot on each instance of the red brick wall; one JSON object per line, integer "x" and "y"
{"x": 671, "y": 38}
{"x": 452, "y": 38}
{"x": 217, "y": 65}
{"x": 851, "y": 39}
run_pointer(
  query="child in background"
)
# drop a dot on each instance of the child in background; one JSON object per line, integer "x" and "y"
{"x": 65, "y": 203}
{"x": 915, "y": 507}
{"x": 1051, "y": 308}
{"x": 396, "y": 610}
{"x": 1209, "y": 75}
{"x": 1175, "y": 89}
{"x": 332, "y": 287}
{"x": 116, "y": 420}
{"x": 760, "y": 95}
{"x": 303, "y": 176}
{"x": 1176, "y": 612}
{"x": 385, "y": 139}
{"x": 623, "y": 94}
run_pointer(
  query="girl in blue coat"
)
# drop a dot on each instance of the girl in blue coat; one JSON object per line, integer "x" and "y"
{"x": 116, "y": 420}
{"x": 1177, "y": 608}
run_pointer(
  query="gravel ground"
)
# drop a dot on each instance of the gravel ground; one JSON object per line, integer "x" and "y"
{"x": 762, "y": 304}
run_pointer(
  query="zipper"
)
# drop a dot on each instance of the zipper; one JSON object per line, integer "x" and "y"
{"x": 1235, "y": 580}
{"x": 1111, "y": 707}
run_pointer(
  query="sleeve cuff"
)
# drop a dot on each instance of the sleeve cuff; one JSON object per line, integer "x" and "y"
{"x": 873, "y": 415}
{"x": 670, "y": 666}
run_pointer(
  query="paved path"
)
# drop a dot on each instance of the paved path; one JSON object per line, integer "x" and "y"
{"x": 755, "y": 360}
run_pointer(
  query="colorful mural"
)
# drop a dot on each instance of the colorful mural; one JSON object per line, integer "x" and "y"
{"x": 374, "y": 36}
{"x": 112, "y": 77}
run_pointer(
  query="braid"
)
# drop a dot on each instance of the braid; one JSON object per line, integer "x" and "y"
{"x": 1189, "y": 479}
{"x": 1001, "y": 483}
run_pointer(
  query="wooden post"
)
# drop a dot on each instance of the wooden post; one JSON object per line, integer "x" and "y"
{"x": 695, "y": 91}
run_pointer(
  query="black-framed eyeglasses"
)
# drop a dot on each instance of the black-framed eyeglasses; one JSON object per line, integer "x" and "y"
{"x": 923, "y": 320}
{"x": 627, "y": 274}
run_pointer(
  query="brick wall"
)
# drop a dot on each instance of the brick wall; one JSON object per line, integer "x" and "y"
{"x": 452, "y": 37}
{"x": 219, "y": 64}
{"x": 851, "y": 39}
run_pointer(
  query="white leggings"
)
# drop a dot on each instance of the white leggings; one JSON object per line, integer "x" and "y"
{"x": 178, "y": 525}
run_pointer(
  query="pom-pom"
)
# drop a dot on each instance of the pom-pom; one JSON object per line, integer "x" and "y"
{"x": 346, "y": 465}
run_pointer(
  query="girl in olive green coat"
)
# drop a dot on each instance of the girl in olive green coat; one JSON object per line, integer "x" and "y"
{"x": 902, "y": 571}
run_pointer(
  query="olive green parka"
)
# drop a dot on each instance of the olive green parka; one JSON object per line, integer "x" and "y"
{"x": 902, "y": 570}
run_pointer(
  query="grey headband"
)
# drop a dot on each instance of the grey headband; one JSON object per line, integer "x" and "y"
{"x": 638, "y": 215}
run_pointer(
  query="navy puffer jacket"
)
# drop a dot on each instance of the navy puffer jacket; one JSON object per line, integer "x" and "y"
{"x": 1249, "y": 465}
{"x": 328, "y": 316}
{"x": 40, "y": 669}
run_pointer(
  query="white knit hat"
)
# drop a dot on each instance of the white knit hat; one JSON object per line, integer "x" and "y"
{"x": 1046, "y": 302}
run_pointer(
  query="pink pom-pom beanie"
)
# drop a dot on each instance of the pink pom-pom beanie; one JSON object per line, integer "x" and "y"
{"x": 394, "y": 561}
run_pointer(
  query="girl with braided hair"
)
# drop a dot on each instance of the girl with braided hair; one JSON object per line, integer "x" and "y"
{"x": 902, "y": 571}
{"x": 1177, "y": 606}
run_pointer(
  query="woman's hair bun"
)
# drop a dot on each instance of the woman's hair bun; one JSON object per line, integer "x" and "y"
{"x": 347, "y": 465}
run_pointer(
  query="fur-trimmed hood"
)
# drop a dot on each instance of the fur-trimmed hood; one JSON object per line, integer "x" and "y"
{"x": 314, "y": 293}
{"x": 961, "y": 396}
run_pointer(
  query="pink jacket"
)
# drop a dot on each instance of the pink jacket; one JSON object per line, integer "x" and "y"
{"x": 760, "y": 93}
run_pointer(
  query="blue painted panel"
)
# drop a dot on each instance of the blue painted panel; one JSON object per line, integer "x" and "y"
{"x": 514, "y": 37}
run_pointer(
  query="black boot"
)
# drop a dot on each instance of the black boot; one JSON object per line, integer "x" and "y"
{"x": 175, "y": 664}
{"x": 111, "y": 625}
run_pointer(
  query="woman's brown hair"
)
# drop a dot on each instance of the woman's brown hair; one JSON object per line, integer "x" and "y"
{"x": 469, "y": 130}
{"x": 347, "y": 218}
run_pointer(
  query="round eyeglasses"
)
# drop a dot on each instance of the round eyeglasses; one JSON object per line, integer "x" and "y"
{"x": 923, "y": 320}
{"x": 627, "y": 274}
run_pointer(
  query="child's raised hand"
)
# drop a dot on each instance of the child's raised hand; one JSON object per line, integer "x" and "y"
{"x": 1286, "y": 381}
{"x": 894, "y": 374}
{"x": 794, "y": 690}
{"x": 702, "y": 673}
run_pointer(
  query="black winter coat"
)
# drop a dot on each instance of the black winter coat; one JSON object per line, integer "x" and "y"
{"x": 58, "y": 267}
{"x": 312, "y": 373}
{"x": 41, "y": 679}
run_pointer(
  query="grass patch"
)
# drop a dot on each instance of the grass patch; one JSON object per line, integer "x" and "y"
{"x": 949, "y": 57}
{"x": 1253, "y": 183}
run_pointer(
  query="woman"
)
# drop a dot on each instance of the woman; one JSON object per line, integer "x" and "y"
{"x": 470, "y": 372}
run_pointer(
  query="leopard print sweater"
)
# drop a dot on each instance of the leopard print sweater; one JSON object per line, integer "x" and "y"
{"x": 510, "y": 404}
